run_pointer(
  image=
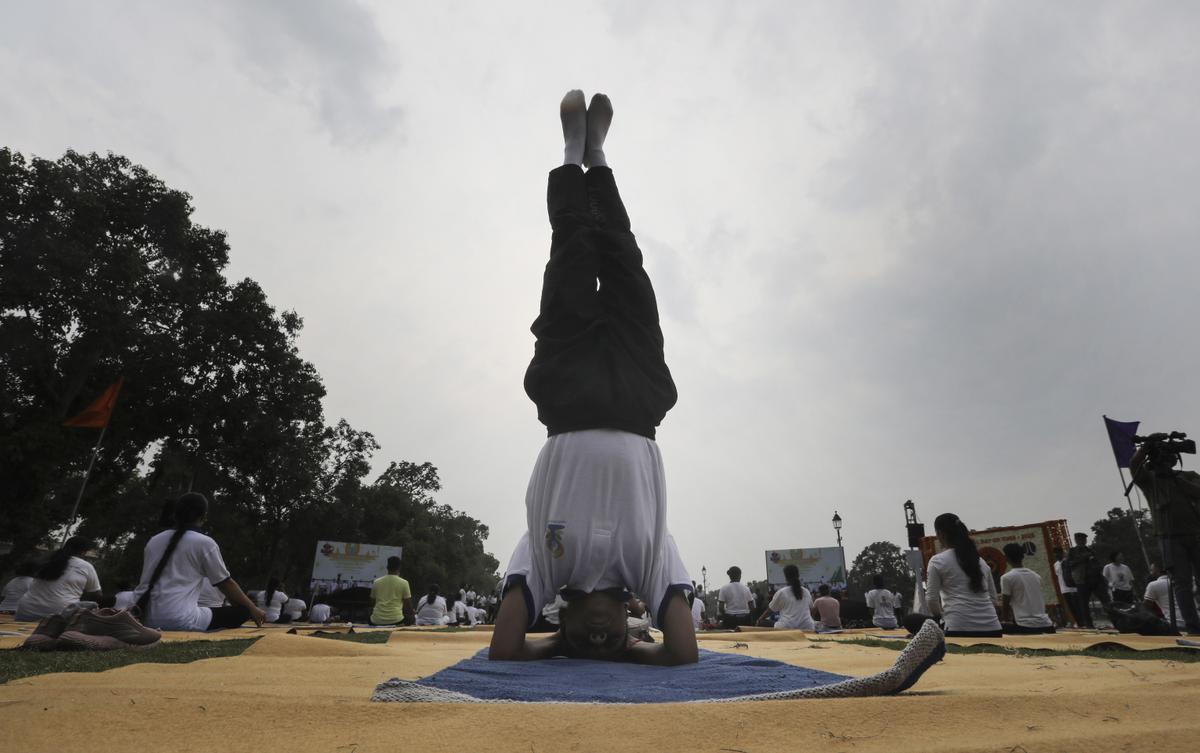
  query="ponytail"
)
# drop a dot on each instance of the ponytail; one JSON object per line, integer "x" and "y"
{"x": 189, "y": 511}
{"x": 956, "y": 534}
{"x": 56, "y": 565}
{"x": 431, "y": 597}
{"x": 791, "y": 574}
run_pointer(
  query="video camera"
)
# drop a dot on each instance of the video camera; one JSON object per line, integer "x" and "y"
{"x": 1163, "y": 446}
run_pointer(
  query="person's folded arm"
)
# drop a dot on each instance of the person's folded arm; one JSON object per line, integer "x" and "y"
{"x": 679, "y": 638}
{"x": 508, "y": 638}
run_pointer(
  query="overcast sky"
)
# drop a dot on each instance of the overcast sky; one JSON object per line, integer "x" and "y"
{"x": 906, "y": 250}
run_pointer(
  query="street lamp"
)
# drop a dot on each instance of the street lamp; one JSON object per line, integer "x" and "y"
{"x": 837, "y": 528}
{"x": 704, "y": 578}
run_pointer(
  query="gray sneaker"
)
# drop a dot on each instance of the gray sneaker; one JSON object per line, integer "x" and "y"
{"x": 110, "y": 623}
{"x": 45, "y": 635}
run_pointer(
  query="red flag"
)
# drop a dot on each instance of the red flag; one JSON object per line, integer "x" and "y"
{"x": 96, "y": 415}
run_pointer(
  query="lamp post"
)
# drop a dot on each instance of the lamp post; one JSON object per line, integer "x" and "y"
{"x": 704, "y": 578}
{"x": 837, "y": 528}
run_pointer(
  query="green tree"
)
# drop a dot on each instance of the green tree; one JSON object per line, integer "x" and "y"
{"x": 103, "y": 274}
{"x": 880, "y": 558}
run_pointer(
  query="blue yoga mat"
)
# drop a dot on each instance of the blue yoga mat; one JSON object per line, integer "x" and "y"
{"x": 715, "y": 676}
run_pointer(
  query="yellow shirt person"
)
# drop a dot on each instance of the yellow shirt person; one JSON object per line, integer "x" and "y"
{"x": 392, "y": 597}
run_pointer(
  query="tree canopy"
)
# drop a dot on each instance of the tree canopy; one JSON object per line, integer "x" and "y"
{"x": 880, "y": 558}
{"x": 103, "y": 275}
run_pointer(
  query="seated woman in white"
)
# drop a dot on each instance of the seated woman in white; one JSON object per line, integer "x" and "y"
{"x": 793, "y": 603}
{"x": 174, "y": 567}
{"x": 271, "y": 601}
{"x": 960, "y": 587}
{"x": 65, "y": 579}
{"x": 431, "y": 608}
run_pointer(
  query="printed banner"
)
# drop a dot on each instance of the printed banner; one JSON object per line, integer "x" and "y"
{"x": 339, "y": 564}
{"x": 1038, "y": 540}
{"x": 818, "y": 565}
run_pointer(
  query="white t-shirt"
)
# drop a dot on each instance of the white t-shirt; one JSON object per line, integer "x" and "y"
{"x": 210, "y": 595}
{"x": 1062, "y": 584}
{"x": 1119, "y": 577}
{"x": 884, "y": 602}
{"x": 47, "y": 597}
{"x": 431, "y": 614}
{"x": 697, "y": 613}
{"x": 737, "y": 597}
{"x": 962, "y": 608}
{"x": 319, "y": 613}
{"x": 1159, "y": 592}
{"x": 13, "y": 591}
{"x": 1023, "y": 587}
{"x": 294, "y": 608}
{"x": 596, "y": 514}
{"x": 278, "y": 599}
{"x": 175, "y": 600}
{"x": 794, "y": 613}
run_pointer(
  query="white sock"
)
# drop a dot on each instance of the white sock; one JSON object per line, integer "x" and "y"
{"x": 573, "y": 112}
{"x": 599, "y": 118}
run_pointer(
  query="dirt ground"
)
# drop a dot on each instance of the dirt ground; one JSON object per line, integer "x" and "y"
{"x": 302, "y": 693}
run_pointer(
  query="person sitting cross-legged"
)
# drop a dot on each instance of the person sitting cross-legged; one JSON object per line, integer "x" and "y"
{"x": 1021, "y": 596}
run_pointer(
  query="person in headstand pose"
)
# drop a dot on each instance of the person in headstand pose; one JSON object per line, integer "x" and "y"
{"x": 596, "y": 503}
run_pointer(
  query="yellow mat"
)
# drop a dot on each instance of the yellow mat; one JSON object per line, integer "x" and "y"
{"x": 314, "y": 694}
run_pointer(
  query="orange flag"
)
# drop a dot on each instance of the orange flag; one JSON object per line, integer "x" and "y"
{"x": 96, "y": 415}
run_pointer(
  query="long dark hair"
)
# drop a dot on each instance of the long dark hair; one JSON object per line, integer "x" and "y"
{"x": 272, "y": 587}
{"x": 53, "y": 568}
{"x": 190, "y": 509}
{"x": 791, "y": 574}
{"x": 955, "y": 532}
{"x": 431, "y": 597}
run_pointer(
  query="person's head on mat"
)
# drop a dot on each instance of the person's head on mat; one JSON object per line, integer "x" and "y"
{"x": 393, "y": 565}
{"x": 1015, "y": 554}
{"x": 595, "y": 625}
{"x": 734, "y": 573}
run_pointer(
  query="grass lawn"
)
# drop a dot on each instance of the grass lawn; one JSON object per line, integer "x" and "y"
{"x": 1187, "y": 655}
{"x": 16, "y": 663}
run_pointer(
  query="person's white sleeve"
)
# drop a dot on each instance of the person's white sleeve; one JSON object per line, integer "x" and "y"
{"x": 93, "y": 580}
{"x": 1149, "y": 595}
{"x": 870, "y": 599}
{"x": 933, "y": 588}
{"x": 1006, "y": 584}
{"x": 212, "y": 566}
{"x": 989, "y": 581}
{"x": 776, "y": 604}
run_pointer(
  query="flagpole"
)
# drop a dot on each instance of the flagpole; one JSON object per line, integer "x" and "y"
{"x": 87, "y": 474}
{"x": 1137, "y": 531}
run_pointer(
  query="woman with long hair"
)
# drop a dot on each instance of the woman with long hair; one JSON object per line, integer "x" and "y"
{"x": 960, "y": 587}
{"x": 64, "y": 579}
{"x": 272, "y": 600}
{"x": 793, "y": 602}
{"x": 176, "y": 563}
{"x": 431, "y": 608}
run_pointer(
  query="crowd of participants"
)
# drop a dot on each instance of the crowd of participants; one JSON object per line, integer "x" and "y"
{"x": 186, "y": 586}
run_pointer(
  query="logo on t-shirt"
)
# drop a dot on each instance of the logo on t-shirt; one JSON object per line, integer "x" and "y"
{"x": 554, "y": 539}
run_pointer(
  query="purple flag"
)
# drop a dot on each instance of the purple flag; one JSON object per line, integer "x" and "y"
{"x": 1120, "y": 433}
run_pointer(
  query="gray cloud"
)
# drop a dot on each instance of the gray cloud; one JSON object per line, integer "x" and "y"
{"x": 330, "y": 56}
